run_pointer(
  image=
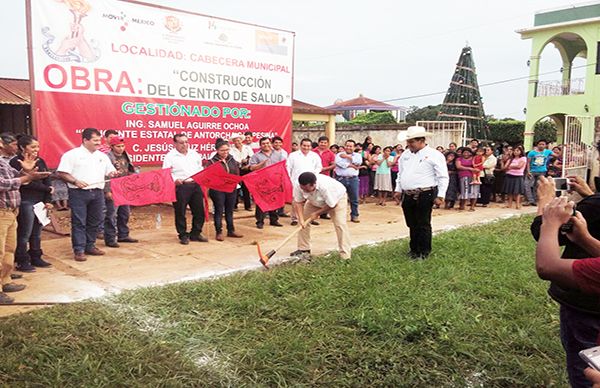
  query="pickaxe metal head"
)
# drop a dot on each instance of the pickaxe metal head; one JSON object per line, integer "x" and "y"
{"x": 264, "y": 259}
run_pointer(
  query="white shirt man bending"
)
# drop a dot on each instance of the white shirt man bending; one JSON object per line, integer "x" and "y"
{"x": 316, "y": 194}
{"x": 423, "y": 181}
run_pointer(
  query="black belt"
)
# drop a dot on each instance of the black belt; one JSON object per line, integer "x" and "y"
{"x": 419, "y": 190}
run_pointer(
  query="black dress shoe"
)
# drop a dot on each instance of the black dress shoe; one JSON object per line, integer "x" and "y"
{"x": 112, "y": 244}
{"x": 128, "y": 240}
{"x": 13, "y": 287}
{"x": 14, "y": 276}
{"x": 313, "y": 222}
{"x": 260, "y": 226}
{"x": 276, "y": 223}
{"x": 284, "y": 215}
{"x": 294, "y": 223}
{"x": 26, "y": 267}
{"x": 325, "y": 216}
{"x": 39, "y": 262}
{"x": 185, "y": 240}
{"x": 199, "y": 238}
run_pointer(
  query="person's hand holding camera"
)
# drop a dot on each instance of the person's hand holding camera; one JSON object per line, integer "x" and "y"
{"x": 558, "y": 212}
{"x": 546, "y": 190}
{"x": 579, "y": 185}
{"x": 579, "y": 234}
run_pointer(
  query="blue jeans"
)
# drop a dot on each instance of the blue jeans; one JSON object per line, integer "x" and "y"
{"x": 351, "y": 185}
{"x": 531, "y": 185}
{"x": 578, "y": 331}
{"x": 29, "y": 232}
{"x": 87, "y": 213}
{"x": 223, "y": 202}
{"x": 115, "y": 221}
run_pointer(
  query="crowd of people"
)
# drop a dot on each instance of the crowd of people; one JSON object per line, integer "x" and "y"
{"x": 463, "y": 175}
{"x": 326, "y": 178}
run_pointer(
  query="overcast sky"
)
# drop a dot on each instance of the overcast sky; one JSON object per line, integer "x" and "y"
{"x": 382, "y": 49}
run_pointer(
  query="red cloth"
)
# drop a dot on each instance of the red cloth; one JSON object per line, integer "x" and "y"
{"x": 327, "y": 159}
{"x": 143, "y": 189}
{"x": 215, "y": 177}
{"x": 270, "y": 187}
{"x": 587, "y": 275}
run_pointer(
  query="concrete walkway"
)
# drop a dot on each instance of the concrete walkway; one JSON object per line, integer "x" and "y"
{"x": 160, "y": 259}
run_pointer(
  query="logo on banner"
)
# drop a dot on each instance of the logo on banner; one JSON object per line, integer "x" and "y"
{"x": 74, "y": 47}
{"x": 271, "y": 42}
{"x": 222, "y": 35}
{"x": 122, "y": 17}
{"x": 172, "y": 23}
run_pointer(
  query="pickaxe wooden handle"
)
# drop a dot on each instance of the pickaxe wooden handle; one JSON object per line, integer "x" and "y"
{"x": 264, "y": 259}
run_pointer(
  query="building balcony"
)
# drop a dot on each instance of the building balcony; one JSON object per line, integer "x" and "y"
{"x": 560, "y": 88}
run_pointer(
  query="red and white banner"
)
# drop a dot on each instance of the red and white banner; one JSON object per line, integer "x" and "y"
{"x": 151, "y": 72}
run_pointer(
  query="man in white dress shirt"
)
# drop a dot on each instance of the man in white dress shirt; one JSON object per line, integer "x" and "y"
{"x": 84, "y": 169}
{"x": 185, "y": 162}
{"x": 303, "y": 160}
{"x": 316, "y": 194}
{"x": 422, "y": 181}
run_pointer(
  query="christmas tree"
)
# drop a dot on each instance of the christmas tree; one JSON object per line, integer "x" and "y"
{"x": 463, "y": 101}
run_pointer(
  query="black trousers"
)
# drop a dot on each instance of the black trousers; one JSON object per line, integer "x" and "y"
{"x": 260, "y": 216}
{"x": 189, "y": 194}
{"x": 223, "y": 202}
{"x": 486, "y": 189}
{"x": 417, "y": 213}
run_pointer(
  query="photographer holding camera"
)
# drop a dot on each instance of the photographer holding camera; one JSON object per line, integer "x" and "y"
{"x": 575, "y": 284}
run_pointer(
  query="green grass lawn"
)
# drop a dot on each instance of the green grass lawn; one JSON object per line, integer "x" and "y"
{"x": 473, "y": 313}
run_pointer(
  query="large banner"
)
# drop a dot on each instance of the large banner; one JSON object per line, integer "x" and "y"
{"x": 150, "y": 72}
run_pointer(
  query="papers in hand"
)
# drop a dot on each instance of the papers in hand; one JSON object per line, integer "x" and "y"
{"x": 39, "y": 209}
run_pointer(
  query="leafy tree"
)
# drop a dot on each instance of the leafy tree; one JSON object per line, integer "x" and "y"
{"x": 374, "y": 118}
{"x": 511, "y": 131}
{"x": 545, "y": 129}
{"x": 427, "y": 113}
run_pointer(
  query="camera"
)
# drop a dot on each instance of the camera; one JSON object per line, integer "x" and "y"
{"x": 562, "y": 185}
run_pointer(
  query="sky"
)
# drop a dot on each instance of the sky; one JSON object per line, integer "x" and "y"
{"x": 387, "y": 50}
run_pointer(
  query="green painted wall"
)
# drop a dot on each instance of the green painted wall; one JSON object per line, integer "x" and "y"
{"x": 540, "y": 107}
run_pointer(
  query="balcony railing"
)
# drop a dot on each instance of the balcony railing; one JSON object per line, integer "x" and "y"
{"x": 560, "y": 88}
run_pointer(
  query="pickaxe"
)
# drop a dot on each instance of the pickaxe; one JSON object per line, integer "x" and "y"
{"x": 264, "y": 259}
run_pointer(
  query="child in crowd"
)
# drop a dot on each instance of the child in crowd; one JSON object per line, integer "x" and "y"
{"x": 374, "y": 153}
{"x": 363, "y": 175}
{"x": 453, "y": 188}
{"x": 478, "y": 160}
{"x": 383, "y": 182}
{"x": 60, "y": 195}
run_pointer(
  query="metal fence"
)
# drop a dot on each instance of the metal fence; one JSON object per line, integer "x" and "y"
{"x": 445, "y": 132}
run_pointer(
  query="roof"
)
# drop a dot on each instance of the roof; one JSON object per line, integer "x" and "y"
{"x": 362, "y": 103}
{"x": 567, "y": 14}
{"x": 14, "y": 91}
{"x": 303, "y": 107}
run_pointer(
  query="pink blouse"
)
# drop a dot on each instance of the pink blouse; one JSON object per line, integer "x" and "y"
{"x": 517, "y": 171}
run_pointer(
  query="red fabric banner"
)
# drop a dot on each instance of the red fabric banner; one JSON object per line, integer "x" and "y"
{"x": 215, "y": 177}
{"x": 270, "y": 187}
{"x": 143, "y": 189}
